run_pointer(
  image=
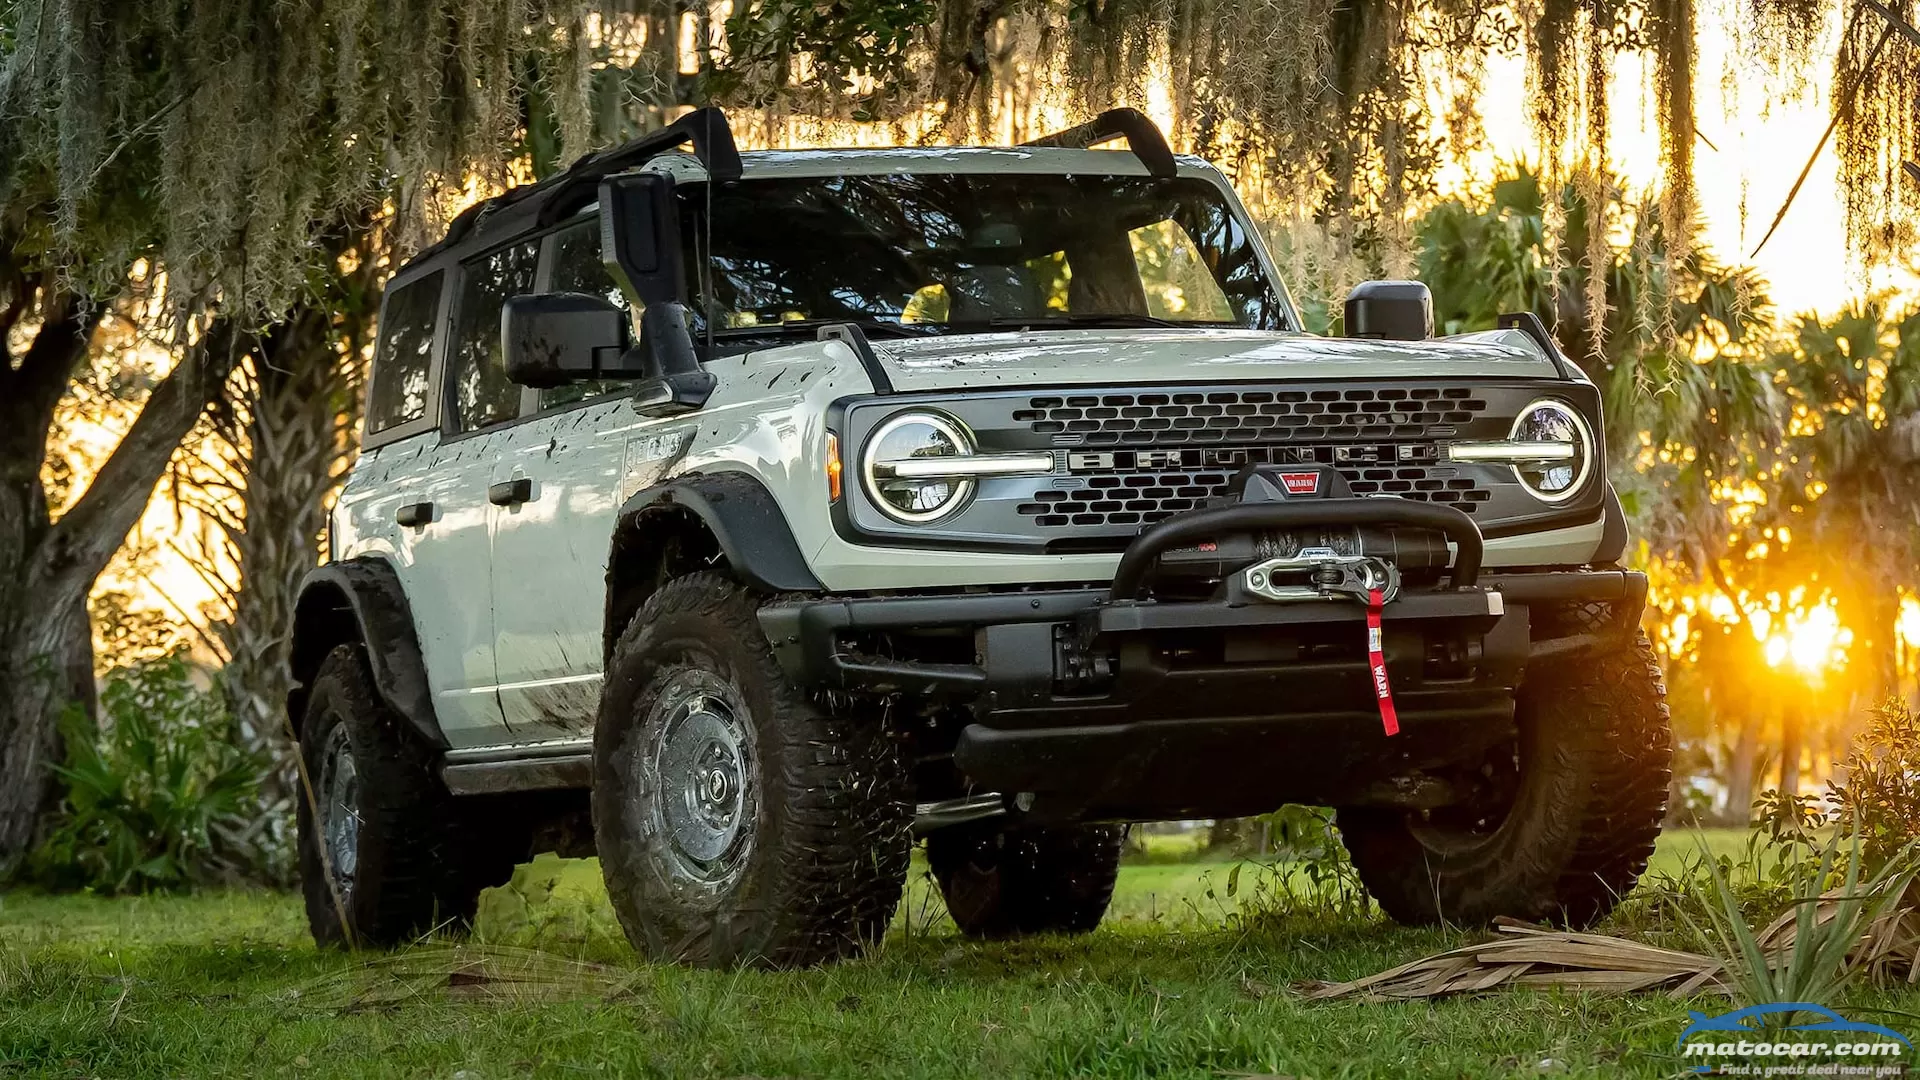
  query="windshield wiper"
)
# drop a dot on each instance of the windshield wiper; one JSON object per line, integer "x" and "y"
{"x": 812, "y": 326}
{"x": 1105, "y": 318}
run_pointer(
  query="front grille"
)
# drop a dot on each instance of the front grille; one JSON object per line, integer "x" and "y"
{"x": 1139, "y": 487}
{"x": 1127, "y": 497}
{"x": 1256, "y": 416}
{"x": 1130, "y": 456}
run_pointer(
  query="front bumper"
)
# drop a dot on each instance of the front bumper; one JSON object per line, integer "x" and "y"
{"x": 1105, "y": 704}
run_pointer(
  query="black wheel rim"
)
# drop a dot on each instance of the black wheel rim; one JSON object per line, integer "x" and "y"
{"x": 1493, "y": 787}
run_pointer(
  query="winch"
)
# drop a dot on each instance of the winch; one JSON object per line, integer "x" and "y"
{"x": 1334, "y": 562}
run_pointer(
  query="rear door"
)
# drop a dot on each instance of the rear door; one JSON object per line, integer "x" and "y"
{"x": 383, "y": 509}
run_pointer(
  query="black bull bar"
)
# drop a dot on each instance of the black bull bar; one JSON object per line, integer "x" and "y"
{"x": 1110, "y": 704}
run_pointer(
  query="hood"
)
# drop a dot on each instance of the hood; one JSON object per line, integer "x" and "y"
{"x": 1132, "y": 357}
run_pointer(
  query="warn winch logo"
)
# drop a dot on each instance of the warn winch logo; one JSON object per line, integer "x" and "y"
{"x": 1301, "y": 483}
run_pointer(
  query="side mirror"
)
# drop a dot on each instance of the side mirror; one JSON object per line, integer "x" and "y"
{"x": 551, "y": 339}
{"x": 1396, "y": 310}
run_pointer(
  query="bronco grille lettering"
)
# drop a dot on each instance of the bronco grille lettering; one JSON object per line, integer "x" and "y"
{"x": 1226, "y": 457}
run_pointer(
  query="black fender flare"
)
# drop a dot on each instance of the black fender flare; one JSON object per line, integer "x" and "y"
{"x": 734, "y": 508}
{"x": 1614, "y": 533}
{"x": 362, "y": 599}
{"x": 744, "y": 518}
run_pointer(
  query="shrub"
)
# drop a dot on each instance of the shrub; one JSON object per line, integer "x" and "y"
{"x": 1308, "y": 878}
{"x": 1876, "y": 806}
{"x": 1828, "y": 876}
{"x": 160, "y": 795}
{"x": 1843, "y": 922}
{"x": 1880, "y": 797}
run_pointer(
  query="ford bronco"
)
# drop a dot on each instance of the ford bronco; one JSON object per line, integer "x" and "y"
{"x": 746, "y": 518}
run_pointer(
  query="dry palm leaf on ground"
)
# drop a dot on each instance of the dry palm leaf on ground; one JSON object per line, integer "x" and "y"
{"x": 1524, "y": 955}
{"x": 1888, "y": 952}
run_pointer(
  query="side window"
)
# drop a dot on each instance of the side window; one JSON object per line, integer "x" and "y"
{"x": 482, "y": 393}
{"x": 577, "y": 268}
{"x": 397, "y": 393}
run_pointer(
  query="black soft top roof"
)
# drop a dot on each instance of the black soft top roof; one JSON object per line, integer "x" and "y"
{"x": 536, "y": 206}
{"x": 560, "y": 195}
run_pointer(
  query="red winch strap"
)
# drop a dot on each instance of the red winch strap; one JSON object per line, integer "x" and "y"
{"x": 1377, "y": 662}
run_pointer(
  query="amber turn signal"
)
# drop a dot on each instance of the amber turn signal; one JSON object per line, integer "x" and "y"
{"x": 833, "y": 467}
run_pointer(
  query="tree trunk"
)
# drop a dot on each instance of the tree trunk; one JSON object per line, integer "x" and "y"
{"x": 1793, "y": 741}
{"x": 41, "y": 671}
{"x": 1886, "y": 645}
{"x": 294, "y": 434}
{"x": 297, "y": 414}
{"x": 47, "y": 568}
{"x": 1746, "y": 747}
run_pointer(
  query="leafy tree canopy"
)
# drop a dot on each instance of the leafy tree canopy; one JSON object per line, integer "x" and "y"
{"x": 218, "y": 135}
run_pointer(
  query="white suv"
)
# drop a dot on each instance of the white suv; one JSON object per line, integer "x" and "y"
{"x": 797, "y": 504}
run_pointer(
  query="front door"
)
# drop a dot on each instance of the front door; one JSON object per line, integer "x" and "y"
{"x": 574, "y": 462}
{"x": 550, "y": 567}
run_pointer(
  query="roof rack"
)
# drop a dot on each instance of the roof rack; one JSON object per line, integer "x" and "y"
{"x": 1142, "y": 135}
{"x": 563, "y": 193}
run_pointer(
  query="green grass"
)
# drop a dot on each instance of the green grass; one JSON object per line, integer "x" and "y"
{"x": 228, "y": 985}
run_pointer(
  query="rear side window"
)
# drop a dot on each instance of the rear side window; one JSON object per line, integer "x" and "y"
{"x": 577, "y": 268}
{"x": 482, "y": 393}
{"x": 398, "y": 392}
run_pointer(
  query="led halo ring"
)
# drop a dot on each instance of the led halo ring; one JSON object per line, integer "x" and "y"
{"x": 1587, "y": 449}
{"x": 963, "y": 444}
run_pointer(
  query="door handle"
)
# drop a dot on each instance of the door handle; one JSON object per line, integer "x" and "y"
{"x": 414, "y": 514}
{"x": 510, "y": 492}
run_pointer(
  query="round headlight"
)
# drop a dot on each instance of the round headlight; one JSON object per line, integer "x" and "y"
{"x": 1560, "y": 475}
{"x": 916, "y": 437}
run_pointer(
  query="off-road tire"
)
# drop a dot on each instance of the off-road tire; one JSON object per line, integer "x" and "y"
{"x": 421, "y": 860}
{"x": 1595, "y": 757}
{"x": 830, "y": 825}
{"x": 1011, "y": 882}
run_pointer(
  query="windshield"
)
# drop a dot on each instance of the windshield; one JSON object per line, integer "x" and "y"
{"x": 962, "y": 252}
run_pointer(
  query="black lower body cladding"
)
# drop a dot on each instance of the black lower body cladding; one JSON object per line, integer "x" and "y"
{"x": 1106, "y": 709}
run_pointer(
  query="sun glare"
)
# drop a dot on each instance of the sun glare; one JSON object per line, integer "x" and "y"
{"x": 1796, "y": 633}
{"x": 1811, "y": 640}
